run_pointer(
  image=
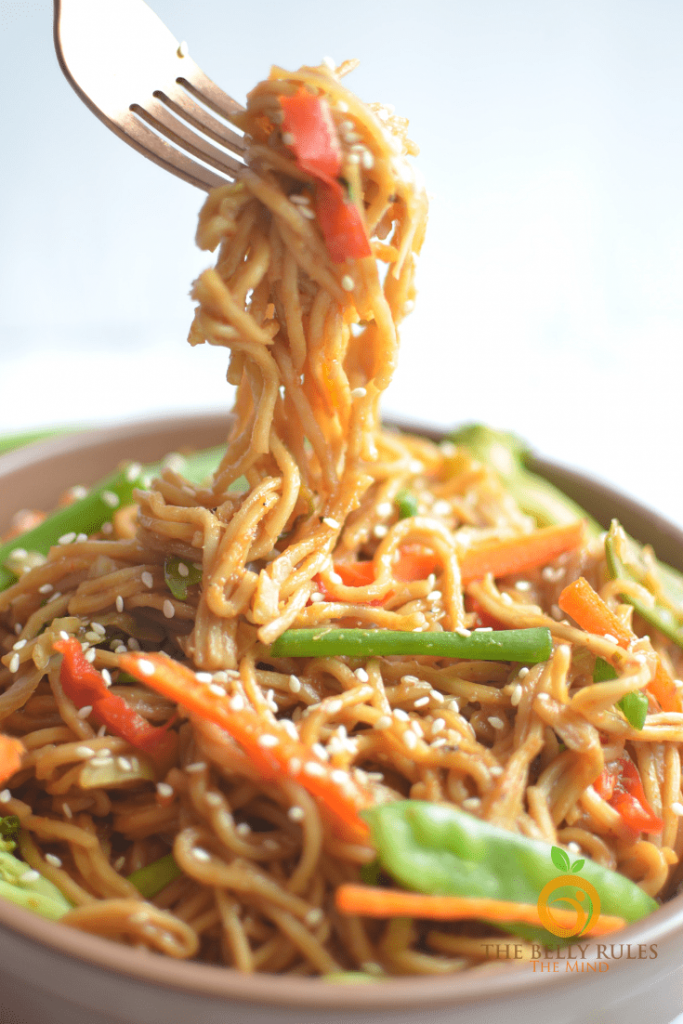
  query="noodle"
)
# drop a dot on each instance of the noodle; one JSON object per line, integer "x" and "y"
{"x": 308, "y": 484}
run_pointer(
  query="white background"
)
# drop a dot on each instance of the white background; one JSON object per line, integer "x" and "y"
{"x": 551, "y": 284}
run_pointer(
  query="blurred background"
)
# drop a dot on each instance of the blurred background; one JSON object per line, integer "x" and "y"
{"x": 551, "y": 283}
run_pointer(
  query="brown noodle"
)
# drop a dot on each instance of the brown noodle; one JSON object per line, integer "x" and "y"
{"x": 312, "y": 346}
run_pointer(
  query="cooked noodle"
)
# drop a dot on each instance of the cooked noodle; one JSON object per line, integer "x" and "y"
{"x": 309, "y": 481}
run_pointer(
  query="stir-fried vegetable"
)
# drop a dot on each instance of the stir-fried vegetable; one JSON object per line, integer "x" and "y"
{"x": 151, "y": 879}
{"x": 406, "y": 504}
{"x": 179, "y": 574}
{"x": 374, "y": 902}
{"x": 634, "y": 705}
{"x": 85, "y": 686}
{"x": 11, "y": 750}
{"x": 87, "y": 515}
{"x": 623, "y": 790}
{"x": 27, "y": 888}
{"x": 309, "y": 131}
{"x": 590, "y": 611}
{"x": 626, "y": 562}
{"x": 9, "y": 829}
{"x": 271, "y": 749}
{"x": 440, "y": 850}
{"x": 527, "y": 646}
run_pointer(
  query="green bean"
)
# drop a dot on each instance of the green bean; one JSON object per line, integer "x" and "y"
{"x": 625, "y": 562}
{"x": 440, "y": 850}
{"x": 151, "y": 879}
{"x": 89, "y": 514}
{"x": 406, "y": 504}
{"x": 527, "y": 646}
{"x": 634, "y": 705}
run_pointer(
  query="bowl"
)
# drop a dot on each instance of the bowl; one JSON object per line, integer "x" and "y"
{"x": 50, "y": 974}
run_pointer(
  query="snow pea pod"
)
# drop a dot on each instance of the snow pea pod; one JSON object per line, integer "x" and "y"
{"x": 28, "y": 889}
{"x": 625, "y": 562}
{"x": 440, "y": 850}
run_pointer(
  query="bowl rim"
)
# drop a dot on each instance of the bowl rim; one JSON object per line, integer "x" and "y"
{"x": 491, "y": 980}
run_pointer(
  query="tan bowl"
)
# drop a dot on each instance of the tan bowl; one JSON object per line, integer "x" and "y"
{"x": 50, "y": 974}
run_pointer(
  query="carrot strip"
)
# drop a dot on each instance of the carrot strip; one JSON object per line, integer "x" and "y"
{"x": 588, "y": 609}
{"x": 519, "y": 554}
{"x": 11, "y": 750}
{"x": 270, "y": 747}
{"x": 368, "y": 901}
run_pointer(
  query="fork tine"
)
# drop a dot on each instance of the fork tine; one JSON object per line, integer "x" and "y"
{"x": 159, "y": 117}
{"x": 137, "y": 134}
{"x": 186, "y": 107}
{"x": 196, "y": 82}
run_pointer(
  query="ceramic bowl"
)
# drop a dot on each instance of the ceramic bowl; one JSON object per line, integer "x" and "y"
{"x": 50, "y": 974}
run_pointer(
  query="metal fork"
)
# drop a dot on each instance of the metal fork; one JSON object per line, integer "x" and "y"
{"x": 134, "y": 75}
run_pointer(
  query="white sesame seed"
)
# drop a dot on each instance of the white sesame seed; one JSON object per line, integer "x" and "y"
{"x": 14, "y": 662}
{"x": 294, "y": 766}
{"x": 102, "y": 759}
{"x": 111, "y": 499}
{"x": 183, "y": 569}
{"x": 67, "y": 538}
{"x": 358, "y": 393}
{"x": 168, "y": 609}
{"x": 64, "y": 635}
{"x": 438, "y": 724}
{"x": 441, "y": 508}
{"x": 84, "y": 752}
{"x": 462, "y": 631}
{"x": 119, "y": 603}
{"x": 516, "y": 695}
{"x": 268, "y": 741}
{"x": 218, "y": 691}
{"x": 30, "y": 876}
{"x": 46, "y": 588}
{"x": 522, "y": 585}
{"x": 307, "y": 212}
{"x": 197, "y": 766}
{"x": 677, "y": 808}
{"x": 81, "y": 537}
{"x": 435, "y": 595}
{"x": 347, "y": 283}
{"x": 165, "y": 790}
{"x": 204, "y": 677}
{"x": 85, "y": 711}
{"x": 380, "y": 530}
{"x": 574, "y": 847}
{"x": 53, "y": 859}
{"x": 524, "y": 671}
{"x": 294, "y": 684}
{"x": 148, "y": 579}
{"x": 102, "y": 732}
{"x": 335, "y": 577}
{"x": 453, "y": 705}
{"x": 332, "y": 523}
{"x": 505, "y": 597}
{"x": 67, "y": 810}
{"x": 317, "y": 597}
{"x": 421, "y": 702}
{"x": 290, "y": 728}
{"x": 124, "y": 764}
{"x": 5, "y": 796}
{"x": 106, "y": 675}
{"x": 120, "y": 649}
{"x": 296, "y": 813}
{"x": 472, "y": 803}
{"x": 313, "y": 768}
{"x": 133, "y": 472}
{"x": 361, "y": 675}
{"x": 314, "y": 917}
{"x": 200, "y": 854}
{"x": 496, "y": 723}
{"x": 146, "y": 667}
{"x": 107, "y": 528}
{"x": 496, "y": 770}
{"x": 214, "y": 799}
{"x": 367, "y": 159}
{"x": 300, "y": 200}
{"x": 410, "y": 739}
{"x": 18, "y": 628}
{"x": 402, "y": 715}
{"x": 320, "y": 750}
{"x": 484, "y": 629}
{"x": 384, "y": 722}
{"x": 243, "y": 829}
{"x": 288, "y": 138}
{"x": 237, "y": 702}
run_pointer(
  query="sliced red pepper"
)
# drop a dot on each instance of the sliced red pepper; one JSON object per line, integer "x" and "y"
{"x": 341, "y": 223}
{"x": 482, "y": 617}
{"x": 624, "y": 791}
{"x": 85, "y": 686}
{"x": 311, "y": 134}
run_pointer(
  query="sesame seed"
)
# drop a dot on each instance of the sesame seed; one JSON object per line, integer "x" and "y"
{"x": 268, "y": 741}
{"x": 410, "y": 739}
{"x": 462, "y": 631}
{"x": 81, "y": 537}
{"x": 197, "y": 766}
{"x": 83, "y": 751}
{"x": 313, "y": 768}
{"x": 358, "y": 393}
{"x": 495, "y": 722}
{"x": 472, "y": 803}
{"x": 522, "y": 585}
{"x": 288, "y": 138}
{"x": 14, "y": 662}
{"x": 67, "y": 810}
{"x": 361, "y": 675}
{"x": 120, "y": 649}
{"x": 317, "y": 597}
{"x": 63, "y": 634}
{"x": 523, "y": 672}
{"x": 107, "y": 528}
{"x": 290, "y": 728}
{"x": 200, "y": 854}
{"x": 296, "y": 813}
{"x": 335, "y": 578}
{"x": 334, "y": 707}
{"x": 243, "y": 829}
{"x": 237, "y": 702}
{"x": 677, "y": 808}
{"x": 101, "y": 760}
{"x": 496, "y": 770}
{"x": 421, "y": 702}
{"x": 294, "y": 766}
{"x": 484, "y": 629}
{"x": 380, "y": 530}
{"x": 85, "y": 711}
{"x": 438, "y": 724}
{"x": 146, "y": 667}
{"x": 441, "y": 508}
{"x": 183, "y": 569}
{"x": 332, "y": 523}
{"x": 314, "y": 917}
{"x": 119, "y": 603}
{"x": 111, "y": 499}
{"x": 214, "y": 799}
{"x": 218, "y": 691}
{"x": 347, "y": 283}
{"x": 505, "y": 598}
{"x": 53, "y": 859}
{"x": 5, "y": 796}
{"x": 204, "y": 677}
{"x": 516, "y": 695}
{"x": 106, "y": 675}
{"x": 435, "y": 595}
{"x": 133, "y": 472}
{"x": 67, "y": 538}
{"x": 574, "y": 847}
{"x": 402, "y": 715}
{"x": 102, "y": 732}
{"x": 148, "y": 579}
{"x": 46, "y": 588}
{"x": 453, "y": 705}
{"x": 610, "y": 638}
{"x": 18, "y": 628}
{"x": 30, "y": 876}
{"x": 294, "y": 684}
{"x": 384, "y": 722}
{"x": 320, "y": 750}
{"x": 300, "y": 200}
{"x": 165, "y": 790}
{"x": 168, "y": 609}
{"x": 124, "y": 764}
{"x": 140, "y": 916}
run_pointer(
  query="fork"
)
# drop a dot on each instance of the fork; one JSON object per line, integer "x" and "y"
{"x": 134, "y": 75}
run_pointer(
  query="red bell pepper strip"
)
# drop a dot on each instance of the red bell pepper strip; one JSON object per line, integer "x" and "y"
{"x": 11, "y": 750}
{"x": 623, "y": 790}
{"x": 310, "y": 133}
{"x": 85, "y": 686}
{"x": 341, "y": 223}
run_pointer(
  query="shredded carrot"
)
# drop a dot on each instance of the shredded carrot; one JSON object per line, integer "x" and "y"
{"x": 588, "y": 609}
{"x": 11, "y": 750}
{"x": 368, "y": 901}
{"x": 337, "y": 793}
